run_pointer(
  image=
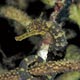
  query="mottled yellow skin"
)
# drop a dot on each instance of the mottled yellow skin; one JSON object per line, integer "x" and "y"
{"x": 42, "y": 27}
{"x": 37, "y": 27}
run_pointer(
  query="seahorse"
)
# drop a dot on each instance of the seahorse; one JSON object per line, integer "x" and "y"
{"x": 35, "y": 26}
{"x": 41, "y": 27}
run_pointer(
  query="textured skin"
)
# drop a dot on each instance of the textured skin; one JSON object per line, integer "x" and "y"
{"x": 26, "y": 69}
{"x": 37, "y": 27}
{"x": 42, "y": 27}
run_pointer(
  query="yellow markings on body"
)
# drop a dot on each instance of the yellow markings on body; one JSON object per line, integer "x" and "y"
{"x": 22, "y": 69}
{"x": 26, "y": 59}
{"x": 36, "y": 56}
{"x": 59, "y": 35}
{"x": 49, "y": 77}
{"x": 57, "y": 44}
{"x": 29, "y": 79}
{"x": 35, "y": 28}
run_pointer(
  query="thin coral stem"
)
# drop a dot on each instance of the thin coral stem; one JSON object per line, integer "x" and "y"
{"x": 56, "y": 67}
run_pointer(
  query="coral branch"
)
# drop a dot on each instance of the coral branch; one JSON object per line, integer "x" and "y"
{"x": 15, "y": 14}
{"x": 12, "y": 75}
{"x": 75, "y": 13}
{"x": 56, "y": 67}
{"x": 42, "y": 69}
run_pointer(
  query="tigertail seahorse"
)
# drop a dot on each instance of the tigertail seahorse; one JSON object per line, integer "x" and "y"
{"x": 42, "y": 27}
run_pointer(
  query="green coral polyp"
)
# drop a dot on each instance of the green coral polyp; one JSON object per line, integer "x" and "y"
{"x": 75, "y": 13}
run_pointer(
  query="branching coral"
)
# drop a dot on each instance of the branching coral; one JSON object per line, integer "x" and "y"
{"x": 75, "y": 13}
{"x": 21, "y": 4}
{"x": 70, "y": 76}
{"x": 15, "y": 14}
{"x": 49, "y": 3}
{"x": 55, "y": 67}
{"x": 41, "y": 69}
{"x": 10, "y": 76}
{"x": 53, "y": 36}
{"x": 75, "y": 75}
{"x": 72, "y": 49}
